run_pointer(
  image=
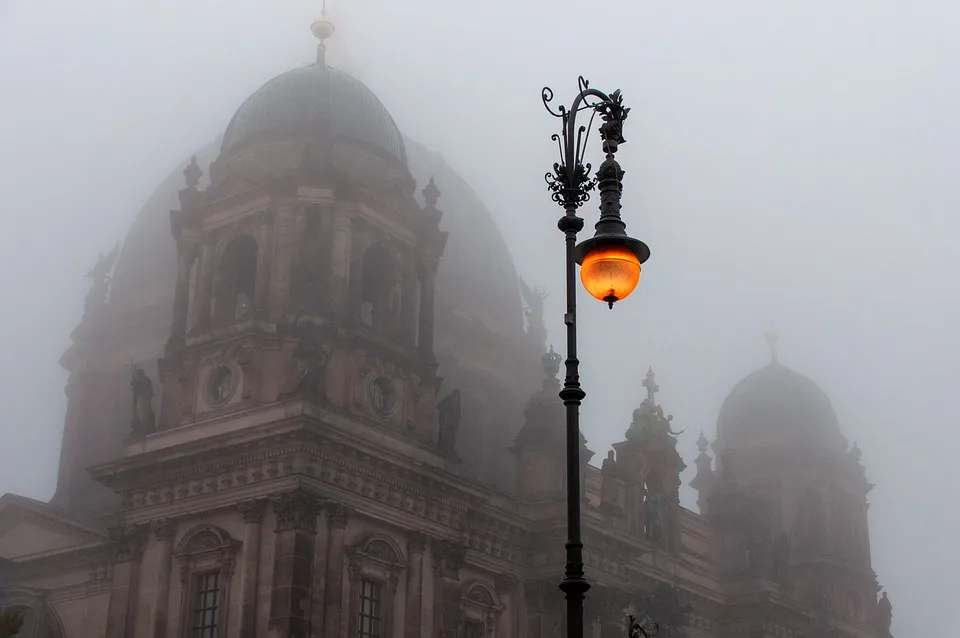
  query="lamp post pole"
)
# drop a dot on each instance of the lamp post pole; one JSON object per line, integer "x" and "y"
{"x": 611, "y": 270}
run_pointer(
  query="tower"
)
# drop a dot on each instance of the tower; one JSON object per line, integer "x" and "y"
{"x": 648, "y": 461}
{"x": 306, "y": 270}
{"x": 788, "y": 500}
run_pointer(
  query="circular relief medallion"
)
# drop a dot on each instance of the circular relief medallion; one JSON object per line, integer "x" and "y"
{"x": 221, "y": 382}
{"x": 382, "y": 395}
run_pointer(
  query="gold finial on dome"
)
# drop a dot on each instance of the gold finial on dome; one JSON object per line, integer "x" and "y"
{"x": 322, "y": 29}
{"x": 772, "y": 336}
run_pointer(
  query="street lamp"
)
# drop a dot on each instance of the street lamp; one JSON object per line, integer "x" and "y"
{"x": 610, "y": 270}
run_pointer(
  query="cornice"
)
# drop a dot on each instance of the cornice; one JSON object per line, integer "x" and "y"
{"x": 98, "y": 560}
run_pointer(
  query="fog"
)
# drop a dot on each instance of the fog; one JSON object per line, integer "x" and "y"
{"x": 790, "y": 164}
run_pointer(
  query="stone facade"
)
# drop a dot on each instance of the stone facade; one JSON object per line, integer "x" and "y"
{"x": 295, "y": 464}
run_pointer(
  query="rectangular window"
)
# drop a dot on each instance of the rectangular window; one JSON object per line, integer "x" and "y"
{"x": 371, "y": 609}
{"x": 472, "y": 629}
{"x": 206, "y": 606}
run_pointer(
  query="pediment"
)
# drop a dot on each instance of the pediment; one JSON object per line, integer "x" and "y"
{"x": 30, "y": 529}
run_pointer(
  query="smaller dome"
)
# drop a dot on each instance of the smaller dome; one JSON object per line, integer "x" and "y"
{"x": 309, "y": 97}
{"x": 776, "y": 406}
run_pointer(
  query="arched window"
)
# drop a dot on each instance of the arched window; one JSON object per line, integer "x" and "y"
{"x": 375, "y": 567}
{"x": 479, "y": 608}
{"x": 207, "y": 557}
{"x": 380, "y": 291}
{"x": 37, "y": 622}
{"x": 235, "y": 280}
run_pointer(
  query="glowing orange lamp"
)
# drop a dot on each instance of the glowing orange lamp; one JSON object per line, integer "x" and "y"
{"x": 610, "y": 274}
{"x": 610, "y": 260}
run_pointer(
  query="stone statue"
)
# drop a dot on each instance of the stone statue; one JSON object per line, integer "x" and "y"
{"x": 653, "y": 514}
{"x": 143, "y": 418}
{"x": 100, "y": 274}
{"x": 311, "y": 358}
{"x": 609, "y": 489}
{"x": 886, "y": 614}
{"x": 448, "y": 414}
{"x": 533, "y": 298}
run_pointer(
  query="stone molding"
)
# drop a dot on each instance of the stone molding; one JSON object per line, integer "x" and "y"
{"x": 98, "y": 560}
{"x": 296, "y": 510}
{"x": 342, "y": 467}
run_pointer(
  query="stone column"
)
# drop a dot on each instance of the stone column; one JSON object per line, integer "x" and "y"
{"x": 128, "y": 551}
{"x": 203, "y": 298}
{"x": 506, "y": 623}
{"x": 186, "y": 255}
{"x": 163, "y": 531}
{"x": 339, "y": 262}
{"x": 427, "y": 275}
{"x": 252, "y": 511}
{"x": 284, "y": 238}
{"x": 264, "y": 254}
{"x": 337, "y": 516}
{"x": 296, "y": 513}
{"x": 448, "y": 558}
{"x": 416, "y": 545}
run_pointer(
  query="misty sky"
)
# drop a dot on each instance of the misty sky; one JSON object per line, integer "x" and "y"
{"x": 792, "y": 163}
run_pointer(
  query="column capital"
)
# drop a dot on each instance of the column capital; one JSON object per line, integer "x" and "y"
{"x": 297, "y": 509}
{"x": 417, "y": 542}
{"x": 338, "y": 515}
{"x": 128, "y": 542}
{"x": 448, "y": 558}
{"x": 252, "y": 510}
{"x": 505, "y": 584}
{"x": 163, "y": 529}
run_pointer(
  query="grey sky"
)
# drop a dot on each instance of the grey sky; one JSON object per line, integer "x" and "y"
{"x": 792, "y": 163}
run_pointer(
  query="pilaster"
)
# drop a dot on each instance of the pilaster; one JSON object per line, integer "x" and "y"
{"x": 163, "y": 531}
{"x": 296, "y": 513}
{"x": 252, "y": 512}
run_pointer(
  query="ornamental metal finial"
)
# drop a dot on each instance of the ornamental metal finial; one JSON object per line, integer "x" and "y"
{"x": 551, "y": 364}
{"x": 570, "y": 181}
{"x": 322, "y": 29}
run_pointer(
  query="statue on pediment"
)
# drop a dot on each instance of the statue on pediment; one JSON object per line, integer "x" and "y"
{"x": 144, "y": 420}
{"x": 448, "y": 415}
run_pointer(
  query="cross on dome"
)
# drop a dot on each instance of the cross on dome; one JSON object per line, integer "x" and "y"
{"x": 772, "y": 336}
{"x": 650, "y": 384}
{"x": 322, "y": 29}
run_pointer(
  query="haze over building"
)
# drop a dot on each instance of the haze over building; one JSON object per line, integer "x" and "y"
{"x": 316, "y": 399}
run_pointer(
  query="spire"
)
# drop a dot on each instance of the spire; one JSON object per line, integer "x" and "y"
{"x": 551, "y": 368}
{"x": 322, "y": 29}
{"x": 772, "y": 336}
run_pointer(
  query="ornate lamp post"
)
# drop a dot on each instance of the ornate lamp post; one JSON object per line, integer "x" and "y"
{"x": 609, "y": 269}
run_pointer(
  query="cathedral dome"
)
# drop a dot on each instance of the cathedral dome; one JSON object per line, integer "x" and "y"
{"x": 776, "y": 406}
{"x": 314, "y": 98}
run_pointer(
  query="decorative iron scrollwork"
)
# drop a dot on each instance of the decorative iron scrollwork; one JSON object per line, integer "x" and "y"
{"x": 570, "y": 181}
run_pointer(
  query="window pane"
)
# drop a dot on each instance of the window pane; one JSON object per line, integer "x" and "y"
{"x": 206, "y": 605}
{"x": 370, "y": 623}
